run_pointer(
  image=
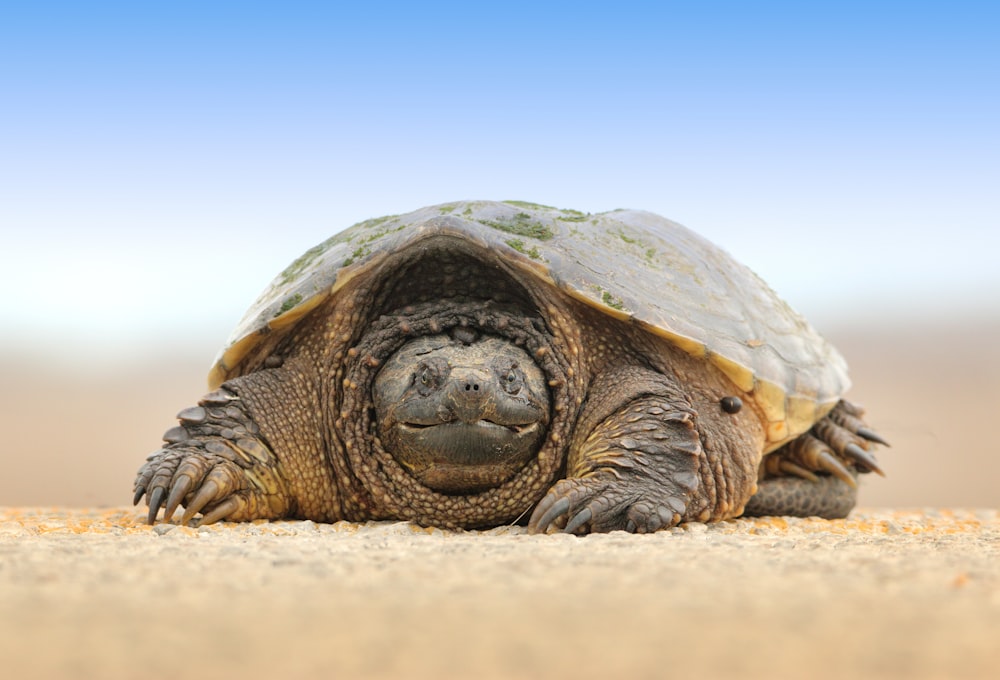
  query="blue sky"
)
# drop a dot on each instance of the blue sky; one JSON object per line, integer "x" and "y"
{"x": 160, "y": 162}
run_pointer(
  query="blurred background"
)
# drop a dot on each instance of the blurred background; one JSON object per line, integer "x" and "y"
{"x": 161, "y": 162}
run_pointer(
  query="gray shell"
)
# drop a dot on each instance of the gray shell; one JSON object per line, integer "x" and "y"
{"x": 629, "y": 264}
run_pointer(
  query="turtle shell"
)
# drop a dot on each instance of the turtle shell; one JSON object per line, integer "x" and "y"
{"x": 632, "y": 265}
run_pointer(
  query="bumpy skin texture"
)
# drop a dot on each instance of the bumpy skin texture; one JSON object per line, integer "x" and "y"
{"x": 640, "y": 434}
{"x": 827, "y": 497}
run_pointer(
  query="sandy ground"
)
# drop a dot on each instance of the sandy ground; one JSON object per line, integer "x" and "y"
{"x": 907, "y": 594}
{"x": 95, "y": 594}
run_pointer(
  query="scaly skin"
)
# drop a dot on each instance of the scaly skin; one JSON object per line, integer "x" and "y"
{"x": 634, "y": 461}
{"x": 637, "y": 439}
{"x": 216, "y": 463}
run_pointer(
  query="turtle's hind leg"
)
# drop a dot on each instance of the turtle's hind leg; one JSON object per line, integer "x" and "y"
{"x": 816, "y": 474}
{"x": 827, "y": 497}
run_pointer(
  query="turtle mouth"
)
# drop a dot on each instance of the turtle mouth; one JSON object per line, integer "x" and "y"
{"x": 462, "y": 457}
{"x": 482, "y": 423}
{"x": 482, "y": 442}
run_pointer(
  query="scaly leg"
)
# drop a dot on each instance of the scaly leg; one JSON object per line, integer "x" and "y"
{"x": 634, "y": 464}
{"x": 216, "y": 463}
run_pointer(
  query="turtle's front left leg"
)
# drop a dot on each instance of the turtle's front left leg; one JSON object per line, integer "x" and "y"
{"x": 634, "y": 462}
{"x": 214, "y": 462}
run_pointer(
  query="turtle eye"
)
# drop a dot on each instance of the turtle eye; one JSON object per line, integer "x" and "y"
{"x": 512, "y": 379}
{"x": 428, "y": 376}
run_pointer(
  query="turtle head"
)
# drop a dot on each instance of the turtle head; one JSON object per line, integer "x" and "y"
{"x": 462, "y": 412}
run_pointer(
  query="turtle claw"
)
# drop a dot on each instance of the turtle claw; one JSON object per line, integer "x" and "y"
{"x": 828, "y": 462}
{"x": 863, "y": 458}
{"x": 223, "y": 510}
{"x": 794, "y": 470}
{"x": 206, "y": 469}
{"x": 155, "y": 502}
{"x": 149, "y": 476}
{"x": 196, "y": 480}
{"x": 602, "y": 502}
{"x": 180, "y": 488}
{"x": 837, "y": 445}
{"x": 551, "y": 508}
{"x": 570, "y": 505}
{"x": 208, "y": 492}
{"x": 579, "y": 519}
{"x": 848, "y": 417}
{"x": 871, "y": 436}
{"x": 845, "y": 434}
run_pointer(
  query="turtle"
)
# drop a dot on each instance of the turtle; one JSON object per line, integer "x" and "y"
{"x": 481, "y": 363}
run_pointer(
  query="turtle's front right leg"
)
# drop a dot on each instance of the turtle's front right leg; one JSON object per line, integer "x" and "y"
{"x": 633, "y": 465}
{"x": 214, "y": 462}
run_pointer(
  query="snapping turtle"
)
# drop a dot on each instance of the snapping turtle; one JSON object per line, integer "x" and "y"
{"x": 468, "y": 363}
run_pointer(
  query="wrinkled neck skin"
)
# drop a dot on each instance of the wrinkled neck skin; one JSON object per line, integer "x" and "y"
{"x": 475, "y": 302}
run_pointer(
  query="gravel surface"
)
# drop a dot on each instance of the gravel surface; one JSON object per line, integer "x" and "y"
{"x": 97, "y": 594}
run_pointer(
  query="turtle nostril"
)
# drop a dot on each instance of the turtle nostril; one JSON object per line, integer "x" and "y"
{"x": 472, "y": 386}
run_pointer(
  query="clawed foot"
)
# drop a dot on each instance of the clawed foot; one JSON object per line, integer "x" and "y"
{"x": 209, "y": 484}
{"x": 213, "y": 464}
{"x": 605, "y": 502}
{"x": 838, "y": 445}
